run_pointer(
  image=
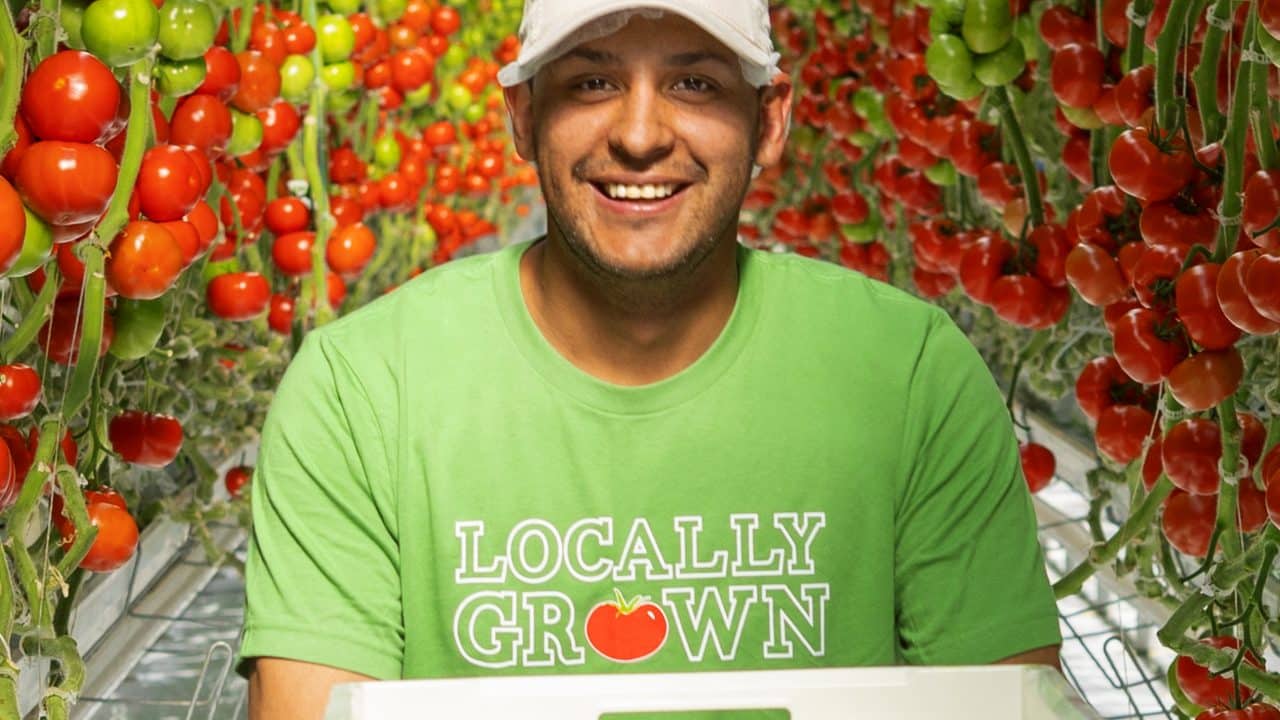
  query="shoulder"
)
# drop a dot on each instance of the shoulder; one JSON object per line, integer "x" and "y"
{"x": 847, "y": 304}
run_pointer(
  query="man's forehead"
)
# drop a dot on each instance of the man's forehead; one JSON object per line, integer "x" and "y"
{"x": 684, "y": 42}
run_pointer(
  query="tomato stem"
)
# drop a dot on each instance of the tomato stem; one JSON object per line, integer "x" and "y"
{"x": 313, "y": 129}
{"x": 1167, "y": 105}
{"x": 34, "y": 319}
{"x": 1137, "y": 34}
{"x": 1233, "y": 158}
{"x": 1206, "y": 72}
{"x": 8, "y": 669}
{"x": 13, "y": 50}
{"x": 1022, "y": 157}
{"x": 1260, "y": 112}
{"x": 21, "y": 515}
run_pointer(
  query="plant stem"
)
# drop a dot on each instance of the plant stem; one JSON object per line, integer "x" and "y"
{"x": 313, "y": 129}
{"x": 1167, "y": 62}
{"x": 34, "y": 318}
{"x": 1137, "y": 35}
{"x": 1260, "y": 112}
{"x": 1206, "y": 72}
{"x": 13, "y": 50}
{"x": 1018, "y": 143}
{"x": 1228, "y": 493}
{"x": 1233, "y": 158}
{"x": 1139, "y": 519}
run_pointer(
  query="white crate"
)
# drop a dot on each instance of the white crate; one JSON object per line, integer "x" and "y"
{"x": 1002, "y": 692}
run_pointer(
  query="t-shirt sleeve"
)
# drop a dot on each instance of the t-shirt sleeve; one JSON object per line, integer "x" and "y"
{"x": 322, "y": 581}
{"x": 970, "y": 580}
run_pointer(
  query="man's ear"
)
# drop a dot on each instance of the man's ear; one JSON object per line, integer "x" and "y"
{"x": 775, "y": 120}
{"x": 519, "y": 100}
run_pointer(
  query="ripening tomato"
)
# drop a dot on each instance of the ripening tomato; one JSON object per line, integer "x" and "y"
{"x": 71, "y": 96}
{"x": 144, "y": 261}
{"x": 60, "y": 335}
{"x": 1234, "y": 297}
{"x": 1122, "y": 430}
{"x": 19, "y": 391}
{"x": 1148, "y": 345}
{"x": 350, "y": 249}
{"x": 1211, "y": 690}
{"x": 259, "y": 82}
{"x": 169, "y": 183}
{"x": 116, "y": 541}
{"x": 67, "y": 183}
{"x": 238, "y": 296}
{"x": 1038, "y": 465}
{"x": 146, "y": 439}
{"x": 1206, "y": 379}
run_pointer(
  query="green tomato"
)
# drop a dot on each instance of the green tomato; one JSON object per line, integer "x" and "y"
{"x": 949, "y": 61}
{"x": 866, "y": 101}
{"x": 336, "y": 38}
{"x": 187, "y": 29}
{"x": 866, "y": 231}
{"x": 1083, "y": 118}
{"x": 175, "y": 78}
{"x": 942, "y": 173}
{"x": 1025, "y": 32}
{"x": 37, "y": 247}
{"x": 296, "y": 76}
{"x": 386, "y": 152}
{"x": 987, "y": 25}
{"x": 390, "y": 11}
{"x": 120, "y": 32}
{"x": 341, "y": 101}
{"x": 339, "y": 75}
{"x": 70, "y": 17}
{"x": 946, "y": 18}
{"x": 863, "y": 139}
{"x": 138, "y": 325}
{"x": 344, "y": 7}
{"x": 967, "y": 90}
{"x": 454, "y": 57}
{"x": 420, "y": 97}
{"x": 246, "y": 133}
{"x": 473, "y": 113}
{"x": 458, "y": 97}
{"x": 1002, "y": 66}
{"x": 1270, "y": 45}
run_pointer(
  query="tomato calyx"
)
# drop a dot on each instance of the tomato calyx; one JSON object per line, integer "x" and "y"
{"x": 625, "y": 606}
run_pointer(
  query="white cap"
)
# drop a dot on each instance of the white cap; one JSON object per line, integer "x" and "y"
{"x": 551, "y": 28}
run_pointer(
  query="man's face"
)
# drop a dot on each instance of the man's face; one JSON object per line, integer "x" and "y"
{"x": 644, "y": 142}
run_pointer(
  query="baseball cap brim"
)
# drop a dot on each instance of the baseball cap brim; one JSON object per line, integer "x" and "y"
{"x": 535, "y": 55}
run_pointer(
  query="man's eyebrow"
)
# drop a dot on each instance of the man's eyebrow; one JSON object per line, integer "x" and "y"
{"x": 698, "y": 56}
{"x": 599, "y": 57}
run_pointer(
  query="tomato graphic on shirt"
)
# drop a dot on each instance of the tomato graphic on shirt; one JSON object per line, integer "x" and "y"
{"x": 626, "y": 630}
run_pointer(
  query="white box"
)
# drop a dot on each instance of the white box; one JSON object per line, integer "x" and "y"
{"x": 998, "y": 692}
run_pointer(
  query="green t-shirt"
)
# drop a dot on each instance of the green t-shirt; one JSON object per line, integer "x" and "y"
{"x": 835, "y": 482}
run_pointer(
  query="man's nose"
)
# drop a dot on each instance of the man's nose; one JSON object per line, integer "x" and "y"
{"x": 642, "y": 132}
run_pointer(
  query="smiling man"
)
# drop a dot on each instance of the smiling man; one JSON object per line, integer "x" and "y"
{"x": 635, "y": 445}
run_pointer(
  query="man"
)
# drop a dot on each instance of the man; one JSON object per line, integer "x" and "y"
{"x": 636, "y": 445}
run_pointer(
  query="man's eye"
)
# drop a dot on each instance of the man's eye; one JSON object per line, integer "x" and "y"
{"x": 695, "y": 84}
{"x": 593, "y": 85}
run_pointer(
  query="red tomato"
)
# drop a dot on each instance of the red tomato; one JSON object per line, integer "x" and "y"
{"x": 445, "y": 20}
{"x": 1153, "y": 275}
{"x": 1208, "y": 690}
{"x": 1101, "y": 384}
{"x": 1207, "y": 378}
{"x": 1234, "y": 298}
{"x": 280, "y": 123}
{"x": 1262, "y": 207}
{"x": 13, "y": 225}
{"x": 149, "y": 440}
{"x": 238, "y": 296}
{"x": 292, "y": 252}
{"x": 286, "y": 215}
{"x": 186, "y": 238}
{"x": 1095, "y": 275}
{"x": 169, "y": 183}
{"x": 144, "y": 261}
{"x": 60, "y": 335}
{"x": 1262, "y": 284}
{"x": 280, "y": 316}
{"x": 1256, "y": 711}
{"x": 1148, "y": 345}
{"x": 10, "y": 480}
{"x": 1059, "y": 27}
{"x": 626, "y": 631}
{"x": 1021, "y": 300}
{"x": 201, "y": 121}
{"x": 1190, "y": 452}
{"x": 982, "y": 265}
{"x": 71, "y": 96}
{"x": 1188, "y": 522}
{"x": 1178, "y": 223}
{"x": 259, "y": 82}
{"x": 1076, "y": 74}
{"x": 1151, "y": 169}
{"x": 1038, "y": 465}
{"x": 19, "y": 391}
{"x": 205, "y": 221}
{"x": 67, "y": 183}
{"x": 1121, "y": 431}
{"x": 1196, "y": 299}
{"x": 236, "y": 478}
{"x": 350, "y": 249}
{"x": 116, "y": 541}
{"x": 222, "y": 74}
{"x": 12, "y": 159}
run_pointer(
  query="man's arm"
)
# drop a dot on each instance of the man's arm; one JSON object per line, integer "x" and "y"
{"x": 1047, "y": 655}
{"x": 282, "y": 689}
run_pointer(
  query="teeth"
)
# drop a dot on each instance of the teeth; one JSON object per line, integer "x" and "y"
{"x": 640, "y": 192}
